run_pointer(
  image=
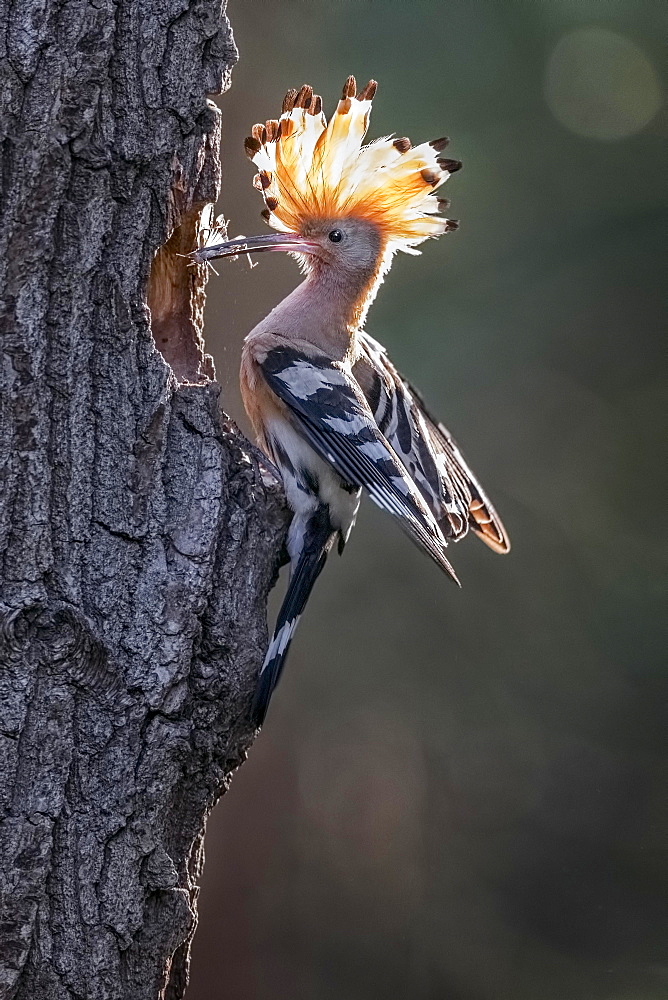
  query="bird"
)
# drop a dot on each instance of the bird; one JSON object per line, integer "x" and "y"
{"x": 329, "y": 408}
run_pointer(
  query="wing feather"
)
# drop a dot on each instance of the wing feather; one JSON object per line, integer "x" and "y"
{"x": 330, "y": 410}
{"x": 428, "y": 450}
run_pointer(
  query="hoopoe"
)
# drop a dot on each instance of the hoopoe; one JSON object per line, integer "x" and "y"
{"x": 329, "y": 408}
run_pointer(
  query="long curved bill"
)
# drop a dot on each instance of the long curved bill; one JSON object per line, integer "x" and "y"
{"x": 288, "y": 242}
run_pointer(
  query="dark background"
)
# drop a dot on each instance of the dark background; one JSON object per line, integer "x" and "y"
{"x": 458, "y": 795}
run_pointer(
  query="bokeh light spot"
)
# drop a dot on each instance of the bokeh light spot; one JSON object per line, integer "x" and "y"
{"x": 601, "y": 84}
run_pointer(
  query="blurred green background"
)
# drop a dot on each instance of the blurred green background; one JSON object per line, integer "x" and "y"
{"x": 457, "y": 795}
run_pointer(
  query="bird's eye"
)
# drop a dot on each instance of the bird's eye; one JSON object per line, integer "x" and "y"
{"x": 336, "y": 236}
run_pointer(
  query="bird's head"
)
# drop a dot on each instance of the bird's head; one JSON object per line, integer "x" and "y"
{"x": 336, "y": 203}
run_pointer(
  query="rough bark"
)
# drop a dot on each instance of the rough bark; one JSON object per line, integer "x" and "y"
{"x": 137, "y": 538}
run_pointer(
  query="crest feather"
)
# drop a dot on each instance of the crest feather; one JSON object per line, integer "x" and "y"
{"x": 309, "y": 168}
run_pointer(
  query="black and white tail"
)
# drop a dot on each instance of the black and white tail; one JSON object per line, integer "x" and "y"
{"x": 317, "y": 540}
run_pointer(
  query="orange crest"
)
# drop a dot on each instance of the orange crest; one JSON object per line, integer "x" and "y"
{"x": 310, "y": 169}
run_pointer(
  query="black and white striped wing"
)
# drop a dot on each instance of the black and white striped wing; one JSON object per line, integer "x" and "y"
{"x": 329, "y": 409}
{"x": 429, "y": 452}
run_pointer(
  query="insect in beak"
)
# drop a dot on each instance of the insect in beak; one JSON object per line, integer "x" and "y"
{"x": 288, "y": 242}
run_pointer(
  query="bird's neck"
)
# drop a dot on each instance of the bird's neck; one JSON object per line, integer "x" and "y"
{"x": 327, "y": 309}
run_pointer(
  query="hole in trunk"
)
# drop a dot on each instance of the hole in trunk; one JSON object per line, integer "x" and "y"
{"x": 176, "y": 296}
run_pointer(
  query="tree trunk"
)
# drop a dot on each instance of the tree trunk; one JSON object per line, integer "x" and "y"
{"x": 138, "y": 540}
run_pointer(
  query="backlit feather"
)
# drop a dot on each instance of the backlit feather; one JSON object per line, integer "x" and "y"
{"x": 309, "y": 169}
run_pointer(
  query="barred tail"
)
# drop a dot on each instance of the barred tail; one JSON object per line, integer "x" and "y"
{"x": 317, "y": 540}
